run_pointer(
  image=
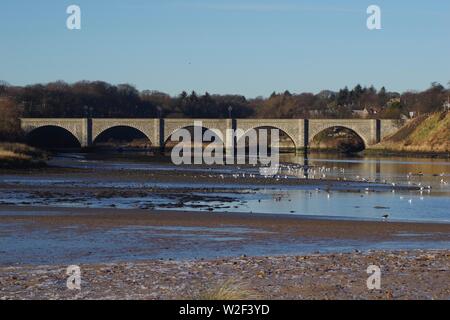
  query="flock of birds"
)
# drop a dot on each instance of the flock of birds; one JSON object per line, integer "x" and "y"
{"x": 323, "y": 172}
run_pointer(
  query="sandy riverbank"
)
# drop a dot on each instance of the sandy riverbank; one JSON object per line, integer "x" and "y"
{"x": 404, "y": 275}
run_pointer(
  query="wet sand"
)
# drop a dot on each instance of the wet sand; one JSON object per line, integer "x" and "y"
{"x": 277, "y": 226}
{"x": 406, "y": 274}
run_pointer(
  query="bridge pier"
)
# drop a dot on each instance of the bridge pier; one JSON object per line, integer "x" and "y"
{"x": 86, "y": 135}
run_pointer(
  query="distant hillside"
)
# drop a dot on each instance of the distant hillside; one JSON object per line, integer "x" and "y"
{"x": 427, "y": 133}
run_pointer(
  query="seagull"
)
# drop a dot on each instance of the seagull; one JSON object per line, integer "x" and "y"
{"x": 385, "y": 217}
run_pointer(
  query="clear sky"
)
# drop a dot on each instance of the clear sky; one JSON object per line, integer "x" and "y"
{"x": 250, "y": 47}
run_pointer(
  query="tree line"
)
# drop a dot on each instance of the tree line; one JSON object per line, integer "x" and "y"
{"x": 104, "y": 100}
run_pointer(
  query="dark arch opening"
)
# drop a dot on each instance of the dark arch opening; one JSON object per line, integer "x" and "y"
{"x": 286, "y": 143}
{"x": 339, "y": 139}
{"x": 123, "y": 137}
{"x": 169, "y": 144}
{"x": 52, "y": 138}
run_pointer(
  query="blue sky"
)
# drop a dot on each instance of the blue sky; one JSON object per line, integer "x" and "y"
{"x": 248, "y": 47}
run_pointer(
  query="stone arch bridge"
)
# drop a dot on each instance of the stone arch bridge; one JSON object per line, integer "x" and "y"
{"x": 158, "y": 131}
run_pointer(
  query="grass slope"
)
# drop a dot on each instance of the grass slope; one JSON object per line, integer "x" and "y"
{"x": 16, "y": 155}
{"x": 428, "y": 133}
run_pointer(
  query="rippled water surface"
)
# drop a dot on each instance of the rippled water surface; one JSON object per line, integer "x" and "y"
{"x": 362, "y": 200}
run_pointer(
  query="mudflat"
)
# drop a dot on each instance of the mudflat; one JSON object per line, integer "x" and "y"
{"x": 274, "y": 225}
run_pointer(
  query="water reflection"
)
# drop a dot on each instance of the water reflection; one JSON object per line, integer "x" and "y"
{"x": 358, "y": 201}
{"x": 427, "y": 171}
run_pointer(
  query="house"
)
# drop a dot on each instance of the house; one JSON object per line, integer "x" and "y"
{"x": 393, "y": 101}
{"x": 364, "y": 113}
{"x": 412, "y": 114}
{"x": 404, "y": 117}
{"x": 314, "y": 113}
{"x": 375, "y": 110}
{"x": 447, "y": 105}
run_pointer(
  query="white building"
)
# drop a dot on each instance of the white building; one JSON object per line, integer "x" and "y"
{"x": 447, "y": 105}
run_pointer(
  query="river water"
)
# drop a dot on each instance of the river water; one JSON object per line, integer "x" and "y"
{"x": 370, "y": 198}
{"x": 368, "y": 194}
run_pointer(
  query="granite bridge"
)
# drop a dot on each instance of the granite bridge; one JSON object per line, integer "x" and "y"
{"x": 300, "y": 131}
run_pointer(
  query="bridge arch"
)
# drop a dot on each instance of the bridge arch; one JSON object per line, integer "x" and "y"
{"x": 218, "y": 134}
{"x": 52, "y": 136}
{"x": 365, "y": 129}
{"x": 293, "y": 129}
{"x": 126, "y": 132}
{"x": 286, "y": 140}
{"x": 342, "y": 138}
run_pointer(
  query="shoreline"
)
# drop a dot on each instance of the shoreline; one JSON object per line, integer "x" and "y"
{"x": 42, "y": 165}
{"x": 405, "y": 153}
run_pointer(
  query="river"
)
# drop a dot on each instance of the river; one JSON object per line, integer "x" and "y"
{"x": 369, "y": 195}
{"x": 127, "y": 207}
